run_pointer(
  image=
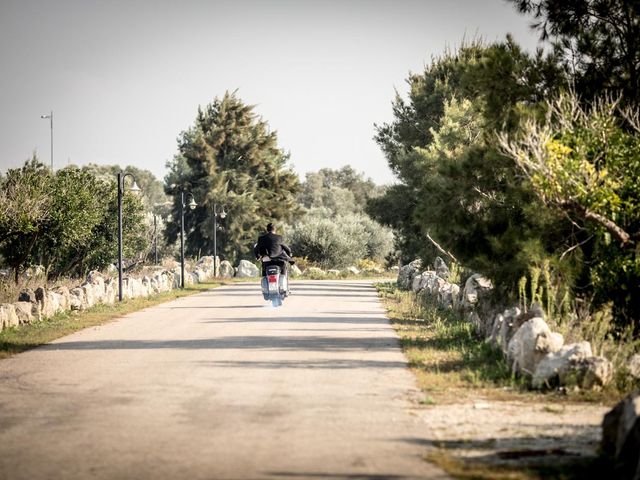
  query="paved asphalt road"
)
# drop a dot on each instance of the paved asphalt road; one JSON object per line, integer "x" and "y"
{"x": 219, "y": 386}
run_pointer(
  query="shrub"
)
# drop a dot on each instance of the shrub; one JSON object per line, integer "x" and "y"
{"x": 340, "y": 241}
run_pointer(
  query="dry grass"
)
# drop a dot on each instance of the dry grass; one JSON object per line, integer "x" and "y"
{"x": 570, "y": 469}
{"x": 447, "y": 358}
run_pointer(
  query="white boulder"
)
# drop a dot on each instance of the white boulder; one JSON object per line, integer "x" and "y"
{"x": 226, "y": 269}
{"x": 247, "y": 269}
{"x": 530, "y": 344}
{"x": 474, "y": 288}
{"x": 8, "y": 316}
{"x": 294, "y": 271}
{"x": 573, "y": 365}
{"x": 406, "y": 274}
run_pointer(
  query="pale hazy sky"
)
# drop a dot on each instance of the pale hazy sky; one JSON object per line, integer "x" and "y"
{"x": 124, "y": 78}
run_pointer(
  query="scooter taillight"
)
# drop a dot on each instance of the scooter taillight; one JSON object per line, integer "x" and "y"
{"x": 272, "y": 278}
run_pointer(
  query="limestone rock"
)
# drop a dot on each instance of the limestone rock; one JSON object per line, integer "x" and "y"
{"x": 247, "y": 269}
{"x": 508, "y": 327}
{"x": 634, "y": 366}
{"x": 475, "y": 287}
{"x": 353, "y": 270}
{"x": 206, "y": 262}
{"x": 594, "y": 373}
{"x": 8, "y": 316}
{"x": 25, "y": 312}
{"x": 428, "y": 282}
{"x": 226, "y": 269}
{"x": 294, "y": 271}
{"x": 441, "y": 268}
{"x": 333, "y": 272}
{"x": 27, "y": 295}
{"x": 406, "y": 274}
{"x": 110, "y": 291}
{"x": 77, "y": 299}
{"x": 575, "y": 365}
{"x": 448, "y": 295}
{"x": 621, "y": 438}
{"x": 528, "y": 346}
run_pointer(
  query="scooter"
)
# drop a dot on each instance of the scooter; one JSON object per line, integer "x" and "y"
{"x": 275, "y": 284}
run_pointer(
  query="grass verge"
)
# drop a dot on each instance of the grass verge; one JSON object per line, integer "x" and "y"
{"x": 452, "y": 365}
{"x": 568, "y": 469}
{"x": 444, "y": 352}
{"x": 18, "y": 339}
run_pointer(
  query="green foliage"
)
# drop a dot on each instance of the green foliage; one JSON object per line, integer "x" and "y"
{"x": 66, "y": 221}
{"x": 341, "y": 191}
{"x": 456, "y": 184}
{"x": 585, "y": 163}
{"x": 334, "y": 232}
{"x": 336, "y": 242}
{"x": 230, "y": 157}
{"x": 598, "y": 40}
{"x": 151, "y": 189}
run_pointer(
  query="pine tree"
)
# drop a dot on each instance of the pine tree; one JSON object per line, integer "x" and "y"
{"x": 230, "y": 157}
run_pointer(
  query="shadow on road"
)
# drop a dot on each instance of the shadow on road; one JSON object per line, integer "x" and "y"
{"x": 306, "y": 343}
{"x": 326, "y": 364}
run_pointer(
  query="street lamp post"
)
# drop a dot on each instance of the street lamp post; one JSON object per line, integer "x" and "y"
{"x": 134, "y": 189}
{"x": 50, "y": 117}
{"x": 192, "y": 205}
{"x": 215, "y": 236}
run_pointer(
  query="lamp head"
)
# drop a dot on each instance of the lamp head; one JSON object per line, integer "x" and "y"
{"x": 223, "y": 213}
{"x": 135, "y": 188}
{"x": 192, "y": 204}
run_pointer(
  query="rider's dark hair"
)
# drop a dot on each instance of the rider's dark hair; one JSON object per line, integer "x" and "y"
{"x": 270, "y": 227}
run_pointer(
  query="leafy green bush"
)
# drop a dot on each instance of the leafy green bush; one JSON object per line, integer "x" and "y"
{"x": 339, "y": 241}
{"x": 66, "y": 221}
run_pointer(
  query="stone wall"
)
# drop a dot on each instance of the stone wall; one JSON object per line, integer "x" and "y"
{"x": 35, "y": 305}
{"x": 525, "y": 339}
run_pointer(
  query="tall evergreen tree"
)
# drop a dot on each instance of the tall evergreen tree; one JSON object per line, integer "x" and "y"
{"x": 457, "y": 188}
{"x": 230, "y": 157}
{"x": 599, "y": 40}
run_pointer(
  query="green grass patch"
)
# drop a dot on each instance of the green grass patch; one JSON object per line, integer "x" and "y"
{"x": 442, "y": 348}
{"x": 18, "y": 339}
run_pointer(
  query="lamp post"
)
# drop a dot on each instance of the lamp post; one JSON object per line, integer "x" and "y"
{"x": 222, "y": 214}
{"x": 50, "y": 117}
{"x": 134, "y": 189}
{"x": 192, "y": 205}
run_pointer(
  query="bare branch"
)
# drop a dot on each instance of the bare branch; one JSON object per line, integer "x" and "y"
{"x": 442, "y": 250}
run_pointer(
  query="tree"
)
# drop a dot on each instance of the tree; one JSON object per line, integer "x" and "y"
{"x": 457, "y": 187}
{"x": 25, "y": 208}
{"x": 341, "y": 191}
{"x": 64, "y": 220}
{"x": 585, "y": 162}
{"x": 230, "y": 157}
{"x": 151, "y": 189}
{"x": 598, "y": 40}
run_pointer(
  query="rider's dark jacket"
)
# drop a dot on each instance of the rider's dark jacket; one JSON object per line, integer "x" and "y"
{"x": 272, "y": 245}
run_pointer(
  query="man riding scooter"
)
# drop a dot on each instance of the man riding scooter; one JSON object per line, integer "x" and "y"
{"x": 272, "y": 245}
{"x": 275, "y": 255}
